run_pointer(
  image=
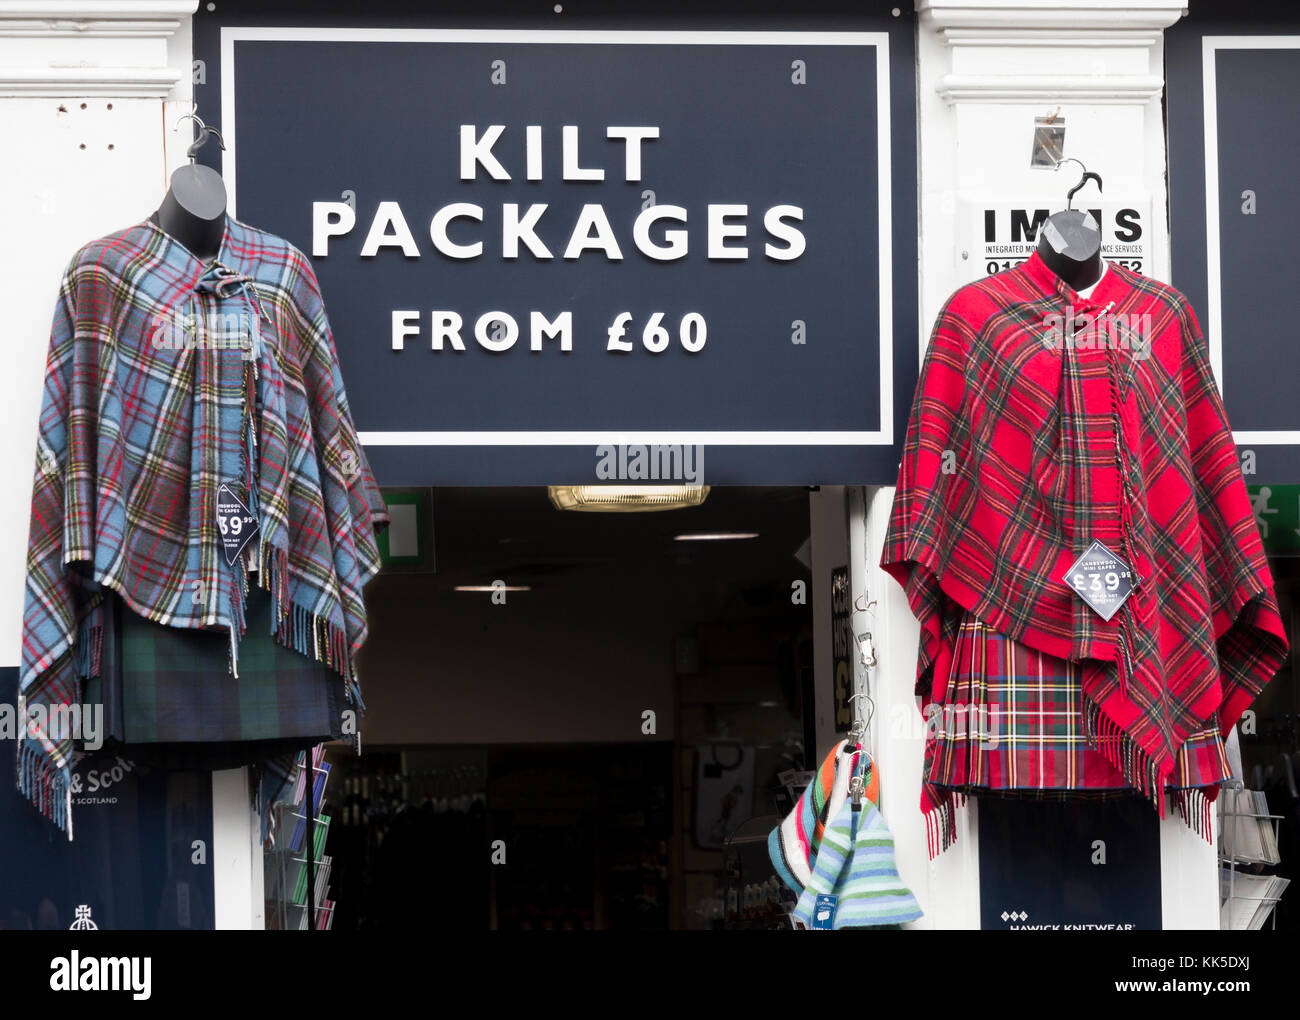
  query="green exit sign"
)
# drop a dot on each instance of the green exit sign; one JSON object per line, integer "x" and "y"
{"x": 1277, "y": 512}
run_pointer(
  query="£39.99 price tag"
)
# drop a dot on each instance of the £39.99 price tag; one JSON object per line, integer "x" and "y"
{"x": 1101, "y": 579}
{"x": 235, "y": 521}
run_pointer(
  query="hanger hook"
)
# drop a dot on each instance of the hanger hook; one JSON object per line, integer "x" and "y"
{"x": 860, "y": 725}
{"x": 201, "y": 135}
{"x": 198, "y": 131}
{"x": 1088, "y": 175}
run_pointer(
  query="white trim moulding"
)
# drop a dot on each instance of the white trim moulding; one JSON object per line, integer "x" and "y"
{"x": 134, "y": 54}
{"x": 1003, "y": 88}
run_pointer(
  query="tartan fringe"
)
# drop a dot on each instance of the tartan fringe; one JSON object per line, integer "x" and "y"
{"x": 238, "y": 623}
{"x": 88, "y": 649}
{"x": 45, "y": 784}
{"x": 305, "y": 632}
{"x": 939, "y": 806}
{"x": 311, "y": 635}
{"x": 1195, "y": 806}
{"x": 273, "y": 576}
{"x": 1141, "y": 772}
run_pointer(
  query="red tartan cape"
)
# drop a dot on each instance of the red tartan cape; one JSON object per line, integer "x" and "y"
{"x": 1025, "y": 445}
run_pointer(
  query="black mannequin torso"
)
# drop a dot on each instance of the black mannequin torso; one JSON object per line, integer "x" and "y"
{"x": 194, "y": 210}
{"x": 1070, "y": 245}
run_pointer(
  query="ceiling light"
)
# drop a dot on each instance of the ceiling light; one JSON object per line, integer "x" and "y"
{"x": 714, "y": 536}
{"x": 626, "y": 498}
{"x": 493, "y": 587}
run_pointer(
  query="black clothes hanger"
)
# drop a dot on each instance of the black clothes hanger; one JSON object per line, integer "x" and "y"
{"x": 194, "y": 209}
{"x": 1070, "y": 241}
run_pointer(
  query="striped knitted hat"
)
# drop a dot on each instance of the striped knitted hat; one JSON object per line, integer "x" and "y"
{"x": 826, "y": 847}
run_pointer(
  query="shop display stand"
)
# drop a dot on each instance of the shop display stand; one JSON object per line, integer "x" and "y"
{"x": 297, "y": 869}
{"x": 1240, "y": 907}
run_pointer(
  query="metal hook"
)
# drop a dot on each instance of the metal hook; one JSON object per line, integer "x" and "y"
{"x": 1087, "y": 176}
{"x": 198, "y": 133}
{"x": 861, "y": 725}
{"x": 201, "y": 135}
{"x": 863, "y": 609}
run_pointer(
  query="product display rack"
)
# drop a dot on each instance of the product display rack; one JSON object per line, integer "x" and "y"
{"x": 1241, "y": 866}
{"x": 289, "y": 901}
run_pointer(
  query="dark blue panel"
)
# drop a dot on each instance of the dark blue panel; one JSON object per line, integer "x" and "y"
{"x": 132, "y": 861}
{"x": 1256, "y": 107}
{"x": 1081, "y": 862}
{"x": 1261, "y": 358}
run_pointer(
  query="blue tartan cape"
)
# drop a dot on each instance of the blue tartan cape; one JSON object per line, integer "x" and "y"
{"x": 166, "y": 377}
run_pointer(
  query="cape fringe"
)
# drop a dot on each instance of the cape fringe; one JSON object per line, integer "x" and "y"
{"x": 46, "y": 785}
{"x": 1195, "y": 805}
{"x": 940, "y": 818}
{"x": 88, "y": 650}
{"x": 1141, "y": 772}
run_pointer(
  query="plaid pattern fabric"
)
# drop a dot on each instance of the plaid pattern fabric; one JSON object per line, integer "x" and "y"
{"x": 1013, "y": 720}
{"x": 165, "y": 378}
{"x": 176, "y": 686}
{"x": 1023, "y": 448}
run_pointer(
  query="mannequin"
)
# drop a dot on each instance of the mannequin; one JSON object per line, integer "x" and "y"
{"x": 1070, "y": 243}
{"x": 194, "y": 209}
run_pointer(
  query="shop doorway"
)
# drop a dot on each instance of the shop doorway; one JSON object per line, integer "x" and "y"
{"x": 572, "y": 718}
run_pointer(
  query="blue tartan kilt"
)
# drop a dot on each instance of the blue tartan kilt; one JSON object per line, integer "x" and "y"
{"x": 169, "y": 694}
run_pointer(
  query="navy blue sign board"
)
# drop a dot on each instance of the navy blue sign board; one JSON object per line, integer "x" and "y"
{"x": 537, "y": 244}
{"x": 141, "y": 858}
{"x": 1078, "y": 864}
{"x": 1233, "y": 81}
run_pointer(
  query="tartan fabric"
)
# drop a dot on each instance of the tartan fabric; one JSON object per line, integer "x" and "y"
{"x": 1013, "y": 720}
{"x": 165, "y": 378}
{"x": 1024, "y": 445}
{"x": 176, "y": 687}
{"x": 1012, "y": 724}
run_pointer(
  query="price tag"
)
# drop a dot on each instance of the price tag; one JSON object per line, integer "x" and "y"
{"x": 824, "y": 911}
{"x": 236, "y": 522}
{"x": 1101, "y": 579}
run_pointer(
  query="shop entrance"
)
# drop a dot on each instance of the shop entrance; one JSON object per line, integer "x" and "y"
{"x": 570, "y": 716}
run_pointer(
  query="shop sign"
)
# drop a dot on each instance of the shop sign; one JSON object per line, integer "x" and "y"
{"x": 1002, "y": 233}
{"x": 546, "y": 244}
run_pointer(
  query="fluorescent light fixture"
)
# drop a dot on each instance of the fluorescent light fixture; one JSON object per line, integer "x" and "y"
{"x": 626, "y": 498}
{"x": 493, "y": 587}
{"x": 714, "y": 536}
